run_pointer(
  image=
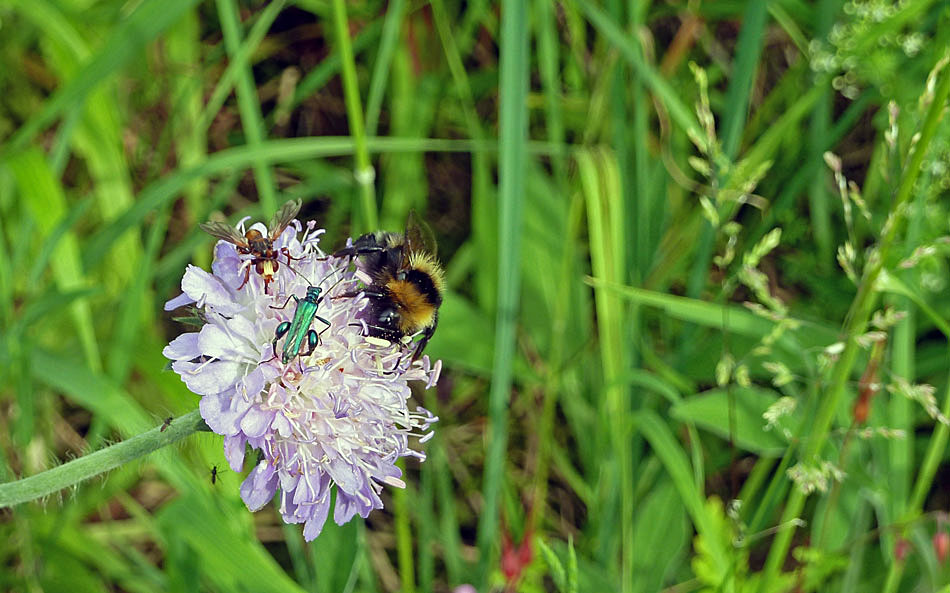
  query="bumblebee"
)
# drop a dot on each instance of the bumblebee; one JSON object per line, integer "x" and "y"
{"x": 407, "y": 282}
{"x": 253, "y": 242}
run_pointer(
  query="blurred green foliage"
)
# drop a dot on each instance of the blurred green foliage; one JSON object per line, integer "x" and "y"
{"x": 637, "y": 361}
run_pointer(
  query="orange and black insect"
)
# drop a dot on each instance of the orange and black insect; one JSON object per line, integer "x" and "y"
{"x": 254, "y": 243}
{"x": 166, "y": 424}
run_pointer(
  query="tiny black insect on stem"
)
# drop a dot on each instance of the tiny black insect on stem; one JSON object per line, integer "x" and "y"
{"x": 214, "y": 474}
{"x": 166, "y": 424}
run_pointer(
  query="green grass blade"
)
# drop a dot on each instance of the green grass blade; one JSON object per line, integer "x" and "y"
{"x": 856, "y": 324}
{"x": 679, "y": 112}
{"x": 513, "y": 123}
{"x": 747, "y": 53}
{"x": 248, "y": 102}
{"x": 395, "y": 14}
{"x": 484, "y": 201}
{"x": 44, "y": 197}
{"x": 239, "y": 64}
{"x": 363, "y": 172}
{"x": 146, "y": 22}
{"x": 272, "y": 151}
{"x": 661, "y": 439}
{"x": 601, "y": 185}
{"x": 820, "y": 199}
{"x": 330, "y": 66}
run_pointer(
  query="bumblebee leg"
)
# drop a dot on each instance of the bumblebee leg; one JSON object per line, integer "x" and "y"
{"x": 426, "y": 336}
{"x": 385, "y": 333}
{"x": 370, "y": 292}
{"x": 358, "y": 251}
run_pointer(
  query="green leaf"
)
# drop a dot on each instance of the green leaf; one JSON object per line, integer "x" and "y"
{"x": 890, "y": 283}
{"x": 671, "y": 454}
{"x": 713, "y": 409}
{"x": 660, "y": 537}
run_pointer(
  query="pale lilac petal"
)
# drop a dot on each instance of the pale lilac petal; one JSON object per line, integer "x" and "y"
{"x": 282, "y": 425}
{"x": 345, "y": 509}
{"x": 243, "y": 328}
{"x": 289, "y": 481}
{"x": 253, "y": 383}
{"x": 214, "y": 341}
{"x": 208, "y": 290}
{"x": 208, "y": 378}
{"x": 234, "y": 447}
{"x": 288, "y": 239}
{"x": 223, "y": 412}
{"x": 227, "y": 265}
{"x": 256, "y": 422}
{"x": 184, "y": 347}
{"x": 345, "y": 475}
{"x": 179, "y": 301}
{"x": 259, "y": 486}
{"x": 315, "y": 523}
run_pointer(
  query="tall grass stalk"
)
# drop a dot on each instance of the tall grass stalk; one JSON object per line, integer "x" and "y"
{"x": 600, "y": 180}
{"x": 922, "y": 485}
{"x": 248, "y": 102}
{"x": 858, "y": 315}
{"x": 364, "y": 172}
{"x": 513, "y": 135}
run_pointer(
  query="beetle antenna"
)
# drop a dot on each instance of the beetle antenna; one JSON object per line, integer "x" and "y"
{"x": 330, "y": 273}
{"x": 340, "y": 279}
{"x": 295, "y": 271}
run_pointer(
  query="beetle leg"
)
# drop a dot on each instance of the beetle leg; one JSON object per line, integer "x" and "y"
{"x": 296, "y": 300}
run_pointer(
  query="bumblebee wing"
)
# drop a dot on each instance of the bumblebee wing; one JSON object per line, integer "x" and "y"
{"x": 419, "y": 237}
{"x": 283, "y": 217}
{"x": 224, "y": 231}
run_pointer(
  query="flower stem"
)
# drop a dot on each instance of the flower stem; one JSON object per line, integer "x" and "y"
{"x": 365, "y": 174}
{"x": 88, "y": 466}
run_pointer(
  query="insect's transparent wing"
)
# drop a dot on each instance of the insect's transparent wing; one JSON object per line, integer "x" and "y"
{"x": 283, "y": 217}
{"x": 419, "y": 236}
{"x": 224, "y": 231}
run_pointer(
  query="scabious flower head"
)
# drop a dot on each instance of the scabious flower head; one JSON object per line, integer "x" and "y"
{"x": 337, "y": 417}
